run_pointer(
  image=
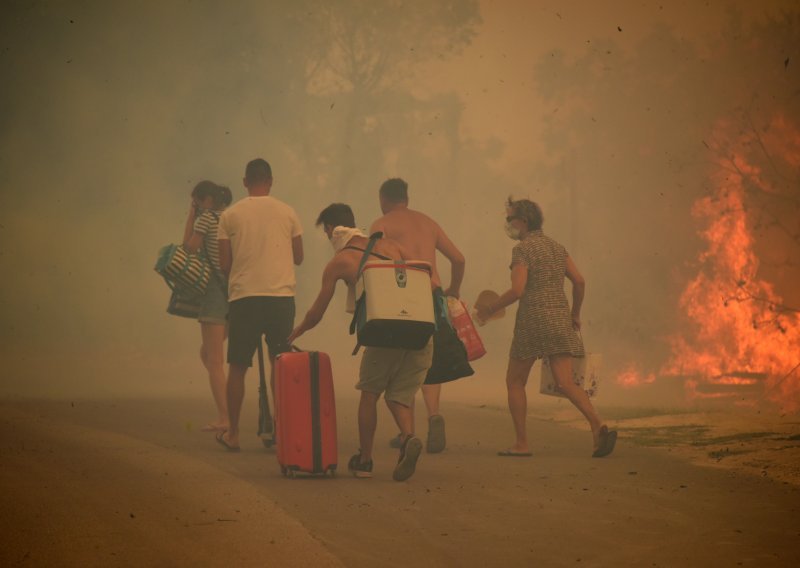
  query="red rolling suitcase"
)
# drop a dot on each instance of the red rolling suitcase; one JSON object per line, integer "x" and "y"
{"x": 305, "y": 413}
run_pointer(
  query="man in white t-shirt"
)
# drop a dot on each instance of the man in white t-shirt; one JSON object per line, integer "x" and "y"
{"x": 260, "y": 242}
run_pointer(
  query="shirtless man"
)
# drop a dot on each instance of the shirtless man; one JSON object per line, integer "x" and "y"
{"x": 421, "y": 236}
{"x": 396, "y": 373}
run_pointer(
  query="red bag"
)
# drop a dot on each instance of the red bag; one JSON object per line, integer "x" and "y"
{"x": 462, "y": 322}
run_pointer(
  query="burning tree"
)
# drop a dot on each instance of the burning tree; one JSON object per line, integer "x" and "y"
{"x": 742, "y": 329}
{"x": 674, "y": 127}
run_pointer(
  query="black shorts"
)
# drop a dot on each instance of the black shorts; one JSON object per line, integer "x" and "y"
{"x": 250, "y": 318}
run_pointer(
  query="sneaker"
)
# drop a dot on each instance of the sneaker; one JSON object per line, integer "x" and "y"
{"x": 436, "y": 438}
{"x": 359, "y": 469}
{"x": 396, "y": 442}
{"x": 407, "y": 463}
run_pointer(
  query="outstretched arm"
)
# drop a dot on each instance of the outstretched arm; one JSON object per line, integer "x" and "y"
{"x": 457, "y": 263}
{"x": 317, "y": 310}
{"x": 578, "y": 291}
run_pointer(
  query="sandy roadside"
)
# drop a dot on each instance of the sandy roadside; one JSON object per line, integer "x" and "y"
{"x": 755, "y": 441}
{"x": 82, "y": 496}
{"x": 75, "y": 472}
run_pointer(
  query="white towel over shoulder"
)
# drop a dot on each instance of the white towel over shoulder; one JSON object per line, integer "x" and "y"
{"x": 339, "y": 239}
{"x": 342, "y": 235}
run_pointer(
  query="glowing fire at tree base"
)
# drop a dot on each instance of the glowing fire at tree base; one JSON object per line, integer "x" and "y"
{"x": 741, "y": 337}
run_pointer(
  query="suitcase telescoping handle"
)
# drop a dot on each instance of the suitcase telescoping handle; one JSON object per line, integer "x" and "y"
{"x": 264, "y": 415}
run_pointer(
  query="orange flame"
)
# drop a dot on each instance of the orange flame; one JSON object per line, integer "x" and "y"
{"x": 632, "y": 376}
{"x": 740, "y": 334}
{"x": 739, "y": 330}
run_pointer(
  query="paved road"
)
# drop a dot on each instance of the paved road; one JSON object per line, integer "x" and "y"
{"x": 134, "y": 483}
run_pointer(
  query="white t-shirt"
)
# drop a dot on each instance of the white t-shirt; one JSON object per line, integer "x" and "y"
{"x": 261, "y": 230}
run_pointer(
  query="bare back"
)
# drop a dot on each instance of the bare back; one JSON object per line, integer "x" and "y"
{"x": 346, "y": 261}
{"x": 417, "y": 233}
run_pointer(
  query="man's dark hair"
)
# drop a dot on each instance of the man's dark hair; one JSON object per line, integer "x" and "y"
{"x": 337, "y": 215}
{"x": 527, "y": 210}
{"x": 257, "y": 171}
{"x": 395, "y": 190}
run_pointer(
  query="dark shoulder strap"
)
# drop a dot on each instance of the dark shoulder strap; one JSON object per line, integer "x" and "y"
{"x": 372, "y": 240}
{"x": 351, "y": 247}
{"x": 360, "y": 301}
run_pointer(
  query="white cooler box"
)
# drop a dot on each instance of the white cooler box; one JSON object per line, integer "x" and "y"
{"x": 394, "y": 306}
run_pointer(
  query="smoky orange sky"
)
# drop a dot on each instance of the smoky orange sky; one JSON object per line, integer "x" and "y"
{"x": 111, "y": 112}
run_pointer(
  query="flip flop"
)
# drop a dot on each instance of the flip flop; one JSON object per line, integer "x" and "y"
{"x": 213, "y": 428}
{"x": 608, "y": 439}
{"x": 514, "y": 454}
{"x": 221, "y": 439}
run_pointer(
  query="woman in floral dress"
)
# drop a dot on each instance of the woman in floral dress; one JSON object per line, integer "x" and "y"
{"x": 545, "y": 324}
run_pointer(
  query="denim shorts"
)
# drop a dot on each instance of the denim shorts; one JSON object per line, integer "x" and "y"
{"x": 214, "y": 307}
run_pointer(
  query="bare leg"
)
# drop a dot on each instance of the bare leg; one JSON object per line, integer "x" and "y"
{"x": 397, "y": 441}
{"x": 367, "y": 423}
{"x": 561, "y": 365}
{"x": 403, "y": 417}
{"x": 516, "y": 380}
{"x": 211, "y": 353}
{"x": 412, "y": 446}
{"x": 431, "y": 395}
{"x": 235, "y": 393}
{"x": 437, "y": 439}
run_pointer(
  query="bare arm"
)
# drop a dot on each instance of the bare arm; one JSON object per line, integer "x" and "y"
{"x": 519, "y": 278}
{"x": 225, "y": 256}
{"x": 188, "y": 228}
{"x": 194, "y": 242}
{"x": 578, "y": 291}
{"x": 457, "y": 263}
{"x": 314, "y": 315}
{"x": 297, "y": 249}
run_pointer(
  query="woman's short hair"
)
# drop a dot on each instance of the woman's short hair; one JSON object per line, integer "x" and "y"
{"x": 337, "y": 215}
{"x": 527, "y": 210}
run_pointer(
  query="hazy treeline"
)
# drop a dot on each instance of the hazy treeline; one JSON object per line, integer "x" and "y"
{"x": 113, "y": 111}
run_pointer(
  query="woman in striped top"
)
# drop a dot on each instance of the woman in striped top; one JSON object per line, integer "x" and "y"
{"x": 208, "y": 201}
{"x": 545, "y": 325}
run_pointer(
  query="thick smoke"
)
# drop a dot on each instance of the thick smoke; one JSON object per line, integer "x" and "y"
{"x": 112, "y": 111}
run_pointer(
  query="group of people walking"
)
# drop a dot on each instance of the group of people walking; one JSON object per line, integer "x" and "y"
{"x": 254, "y": 246}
